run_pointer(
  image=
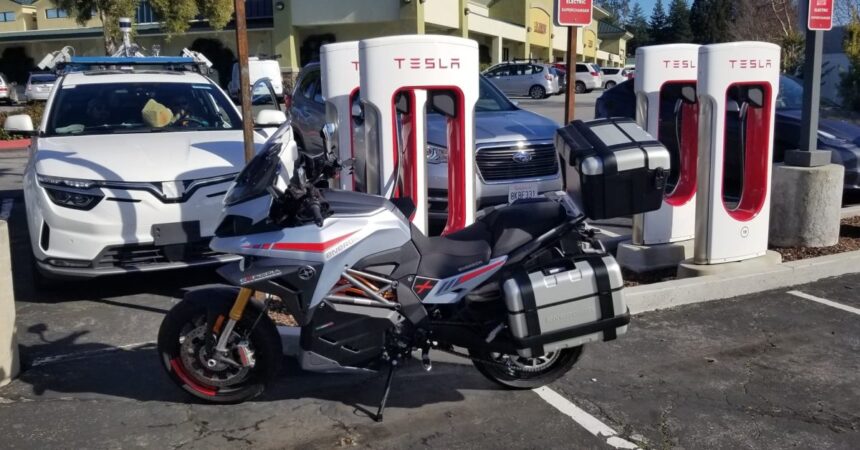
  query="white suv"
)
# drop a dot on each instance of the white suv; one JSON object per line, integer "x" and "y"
{"x": 588, "y": 78}
{"x": 127, "y": 171}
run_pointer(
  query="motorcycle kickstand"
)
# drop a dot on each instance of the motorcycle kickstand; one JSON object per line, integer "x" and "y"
{"x": 388, "y": 379}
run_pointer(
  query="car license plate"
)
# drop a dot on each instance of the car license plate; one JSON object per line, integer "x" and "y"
{"x": 522, "y": 191}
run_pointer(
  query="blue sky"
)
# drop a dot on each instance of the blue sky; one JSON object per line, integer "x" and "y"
{"x": 647, "y": 6}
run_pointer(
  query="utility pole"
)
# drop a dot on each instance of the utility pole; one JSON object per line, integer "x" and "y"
{"x": 244, "y": 79}
{"x": 570, "y": 95}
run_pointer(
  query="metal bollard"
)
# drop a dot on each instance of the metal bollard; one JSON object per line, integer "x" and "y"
{"x": 9, "y": 363}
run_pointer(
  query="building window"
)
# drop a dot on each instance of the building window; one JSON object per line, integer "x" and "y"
{"x": 7, "y": 16}
{"x": 56, "y": 13}
{"x": 506, "y": 53}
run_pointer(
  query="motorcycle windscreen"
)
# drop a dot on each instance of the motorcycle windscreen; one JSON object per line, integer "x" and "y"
{"x": 746, "y": 152}
{"x": 677, "y": 130}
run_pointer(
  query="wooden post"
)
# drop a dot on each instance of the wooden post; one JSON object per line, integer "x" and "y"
{"x": 570, "y": 95}
{"x": 244, "y": 79}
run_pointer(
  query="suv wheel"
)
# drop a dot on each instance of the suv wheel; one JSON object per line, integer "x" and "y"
{"x": 610, "y": 84}
{"x": 580, "y": 87}
{"x": 537, "y": 92}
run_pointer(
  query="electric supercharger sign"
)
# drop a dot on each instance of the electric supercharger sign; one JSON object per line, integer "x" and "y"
{"x": 667, "y": 108}
{"x": 340, "y": 81}
{"x": 400, "y": 78}
{"x": 737, "y": 87}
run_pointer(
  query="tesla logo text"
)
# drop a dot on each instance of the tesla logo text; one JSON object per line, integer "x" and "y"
{"x": 751, "y": 63}
{"x": 679, "y": 64}
{"x": 354, "y": 65}
{"x": 427, "y": 63}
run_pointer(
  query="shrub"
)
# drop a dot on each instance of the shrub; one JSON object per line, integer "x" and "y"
{"x": 35, "y": 112}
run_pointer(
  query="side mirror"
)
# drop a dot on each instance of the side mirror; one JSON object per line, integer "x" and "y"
{"x": 19, "y": 124}
{"x": 329, "y": 136}
{"x": 270, "y": 118}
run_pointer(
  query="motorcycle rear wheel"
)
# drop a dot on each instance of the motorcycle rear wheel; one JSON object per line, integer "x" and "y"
{"x": 515, "y": 372}
{"x": 182, "y": 330}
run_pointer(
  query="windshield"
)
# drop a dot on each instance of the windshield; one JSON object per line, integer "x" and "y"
{"x": 42, "y": 79}
{"x": 790, "y": 95}
{"x": 140, "y": 108}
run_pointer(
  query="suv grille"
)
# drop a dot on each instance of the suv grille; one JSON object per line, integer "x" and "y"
{"x": 498, "y": 164}
{"x": 144, "y": 254}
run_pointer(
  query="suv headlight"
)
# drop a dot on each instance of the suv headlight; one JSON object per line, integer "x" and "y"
{"x": 436, "y": 154}
{"x": 71, "y": 193}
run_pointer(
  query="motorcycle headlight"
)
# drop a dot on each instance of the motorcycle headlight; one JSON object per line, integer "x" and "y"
{"x": 436, "y": 154}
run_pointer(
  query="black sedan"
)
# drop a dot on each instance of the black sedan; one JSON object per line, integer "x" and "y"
{"x": 837, "y": 130}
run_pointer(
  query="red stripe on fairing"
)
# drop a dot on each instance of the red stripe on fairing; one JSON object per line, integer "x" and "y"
{"x": 180, "y": 372}
{"x": 315, "y": 247}
{"x": 477, "y": 272}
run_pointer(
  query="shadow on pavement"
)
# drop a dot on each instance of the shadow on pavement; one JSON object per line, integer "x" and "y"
{"x": 95, "y": 369}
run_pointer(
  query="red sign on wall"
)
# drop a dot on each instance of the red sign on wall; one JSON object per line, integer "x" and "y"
{"x": 820, "y": 15}
{"x": 573, "y": 13}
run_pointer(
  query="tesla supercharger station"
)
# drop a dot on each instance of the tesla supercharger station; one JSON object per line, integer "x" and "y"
{"x": 400, "y": 78}
{"x": 340, "y": 80}
{"x": 666, "y": 107}
{"x": 737, "y": 88}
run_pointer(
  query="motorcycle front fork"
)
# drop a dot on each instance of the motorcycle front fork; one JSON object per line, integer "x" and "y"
{"x": 234, "y": 316}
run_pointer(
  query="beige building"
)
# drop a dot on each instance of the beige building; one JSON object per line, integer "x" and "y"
{"x": 295, "y": 29}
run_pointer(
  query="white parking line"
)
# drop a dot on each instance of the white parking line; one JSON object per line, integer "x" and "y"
{"x": 83, "y": 355}
{"x": 824, "y": 301}
{"x": 584, "y": 419}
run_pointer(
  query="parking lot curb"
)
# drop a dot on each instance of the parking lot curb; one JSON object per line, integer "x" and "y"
{"x": 668, "y": 294}
{"x": 9, "y": 362}
{"x": 850, "y": 211}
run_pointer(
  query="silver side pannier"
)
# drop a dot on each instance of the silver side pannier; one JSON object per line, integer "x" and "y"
{"x": 566, "y": 304}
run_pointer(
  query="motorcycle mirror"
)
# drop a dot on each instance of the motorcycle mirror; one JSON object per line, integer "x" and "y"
{"x": 688, "y": 94}
{"x": 755, "y": 96}
{"x": 443, "y": 102}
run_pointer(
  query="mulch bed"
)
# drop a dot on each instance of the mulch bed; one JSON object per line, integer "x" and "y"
{"x": 849, "y": 240}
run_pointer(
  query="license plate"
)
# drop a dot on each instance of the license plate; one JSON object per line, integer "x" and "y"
{"x": 522, "y": 191}
{"x": 176, "y": 233}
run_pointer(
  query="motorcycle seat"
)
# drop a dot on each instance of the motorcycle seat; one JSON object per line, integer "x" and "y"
{"x": 445, "y": 256}
{"x": 498, "y": 233}
{"x": 516, "y": 225}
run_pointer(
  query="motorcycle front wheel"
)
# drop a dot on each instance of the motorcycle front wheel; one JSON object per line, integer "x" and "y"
{"x": 182, "y": 347}
{"x": 517, "y": 372}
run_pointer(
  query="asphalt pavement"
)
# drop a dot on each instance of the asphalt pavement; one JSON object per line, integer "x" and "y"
{"x": 771, "y": 370}
{"x": 553, "y": 107}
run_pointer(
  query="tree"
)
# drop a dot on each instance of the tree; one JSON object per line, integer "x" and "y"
{"x": 850, "y": 85}
{"x": 637, "y": 25}
{"x": 658, "y": 26}
{"x": 771, "y": 21}
{"x": 177, "y": 14}
{"x": 711, "y": 20}
{"x": 618, "y": 9}
{"x": 108, "y": 11}
{"x": 679, "y": 22}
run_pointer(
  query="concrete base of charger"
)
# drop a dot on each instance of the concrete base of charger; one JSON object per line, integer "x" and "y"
{"x": 806, "y": 206}
{"x": 689, "y": 269}
{"x": 644, "y": 258}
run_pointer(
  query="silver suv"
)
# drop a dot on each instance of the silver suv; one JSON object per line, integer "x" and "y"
{"x": 521, "y": 79}
{"x": 515, "y": 154}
